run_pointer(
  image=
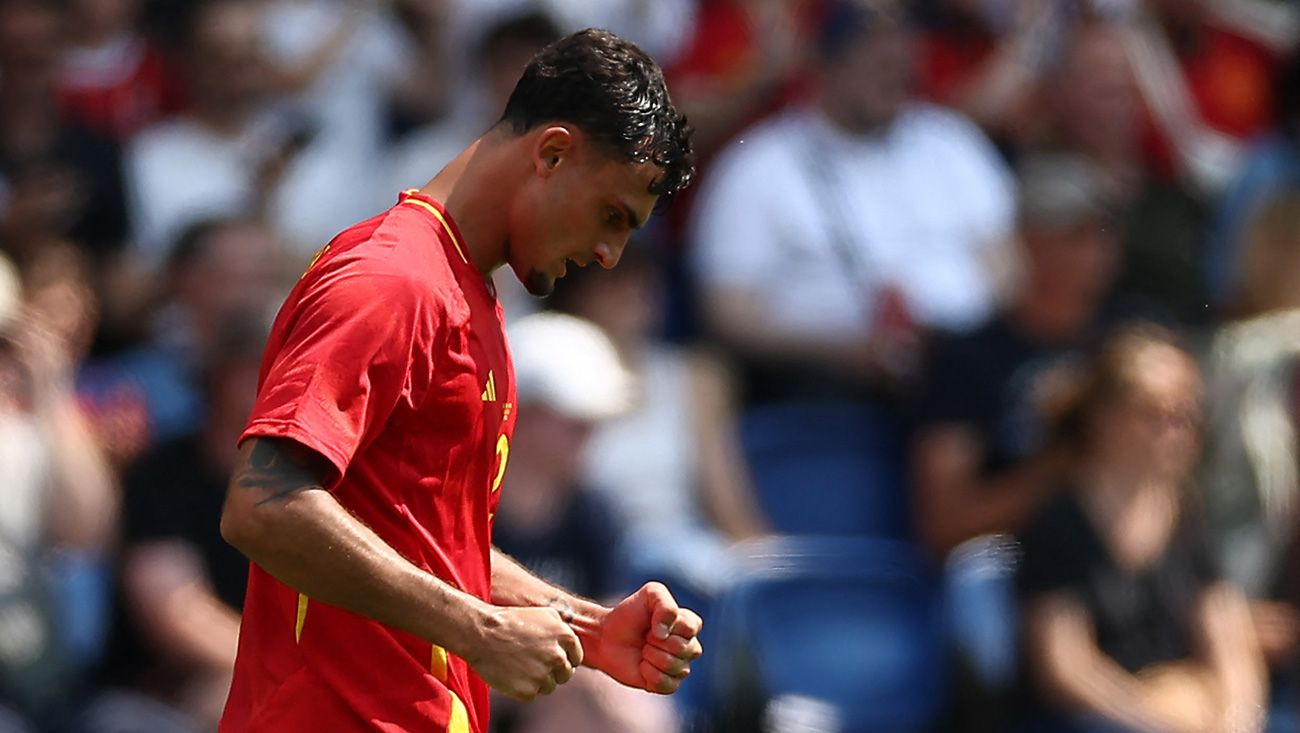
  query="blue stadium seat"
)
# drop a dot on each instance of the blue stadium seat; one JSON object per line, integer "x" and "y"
{"x": 827, "y": 468}
{"x": 851, "y": 623}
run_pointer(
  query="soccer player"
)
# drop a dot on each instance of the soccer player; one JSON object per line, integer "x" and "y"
{"x": 370, "y": 468}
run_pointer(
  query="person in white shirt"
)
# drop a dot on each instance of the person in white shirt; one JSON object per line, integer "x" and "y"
{"x": 825, "y": 239}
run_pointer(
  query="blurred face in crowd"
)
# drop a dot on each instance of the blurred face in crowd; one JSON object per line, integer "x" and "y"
{"x": 227, "y": 64}
{"x": 868, "y": 84}
{"x": 1096, "y": 102}
{"x": 550, "y": 442}
{"x": 1151, "y": 428}
{"x": 29, "y": 42}
{"x": 239, "y": 271}
{"x": 102, "y": 19}
{"x": 1078, "y": 260}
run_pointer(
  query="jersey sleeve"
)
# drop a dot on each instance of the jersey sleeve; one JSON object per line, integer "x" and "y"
{"x": 344, "y": 362}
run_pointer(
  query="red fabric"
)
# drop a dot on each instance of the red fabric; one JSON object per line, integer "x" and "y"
{"x": 947, "y": 61}
{"x": 126, "y": 99}
{"x": 1230, "y": 79}
{"x": 380, "y": 360}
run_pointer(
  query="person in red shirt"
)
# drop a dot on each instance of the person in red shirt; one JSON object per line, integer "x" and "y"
{"x": 370, "y": 470}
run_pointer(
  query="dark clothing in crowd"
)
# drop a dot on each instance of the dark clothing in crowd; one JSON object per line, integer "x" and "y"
{"x": 580, "y": 551}
{"x": 1142, "y": 617}
{"x": 173, "y": 493}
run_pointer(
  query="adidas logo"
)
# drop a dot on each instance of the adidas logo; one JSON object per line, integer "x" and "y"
{"x": 490, "y": 391}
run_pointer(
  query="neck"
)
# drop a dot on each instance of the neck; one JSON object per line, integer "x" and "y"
{"x": 471, "y": 188}
{"x": 851, "y": 124}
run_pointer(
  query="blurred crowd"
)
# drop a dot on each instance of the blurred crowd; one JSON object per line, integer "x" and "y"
{"x": 961, "y": 393}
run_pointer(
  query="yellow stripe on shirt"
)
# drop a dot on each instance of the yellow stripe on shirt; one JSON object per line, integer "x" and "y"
{"x": 302, "y": 618}
{"x": 441, "y": 220}
{"x": 459, "y": 721}
{"x": 438, "y": 663}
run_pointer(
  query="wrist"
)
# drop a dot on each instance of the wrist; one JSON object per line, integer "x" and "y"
{"x": 470, "y": 631}
{"x": 587, "y": 619}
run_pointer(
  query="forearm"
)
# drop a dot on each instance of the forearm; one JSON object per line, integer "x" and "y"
{"x": 514, "y": 585}
{"x": 315, "y": 546}
{"x": 84, "y": 492}
{"x": 1072, "y": 670}
{"x": 277, "y": 514}
{"x": 1234, "y": 656}
{"x": 954, "y": 504}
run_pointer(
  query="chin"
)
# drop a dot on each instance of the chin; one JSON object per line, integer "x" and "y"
{"x": 538, "y": 283}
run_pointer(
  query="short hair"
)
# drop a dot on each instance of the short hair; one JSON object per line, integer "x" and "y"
{"x": 613, "y": 92}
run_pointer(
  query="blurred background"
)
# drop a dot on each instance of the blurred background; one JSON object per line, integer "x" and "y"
{"x": 959, "y": 394}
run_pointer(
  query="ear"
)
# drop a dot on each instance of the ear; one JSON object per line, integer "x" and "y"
{"x": 551, "y": 148}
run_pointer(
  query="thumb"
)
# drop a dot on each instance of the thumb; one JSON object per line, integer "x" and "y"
{"x": 663, "y": 610}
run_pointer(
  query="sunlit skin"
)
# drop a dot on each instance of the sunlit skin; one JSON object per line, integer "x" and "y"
{"x": 543, "y": 199}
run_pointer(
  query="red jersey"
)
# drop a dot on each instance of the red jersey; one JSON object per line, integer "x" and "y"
{"x": 389, "y": 359}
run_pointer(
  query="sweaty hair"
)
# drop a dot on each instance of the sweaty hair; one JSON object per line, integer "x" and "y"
{"x": 613, "y": 92}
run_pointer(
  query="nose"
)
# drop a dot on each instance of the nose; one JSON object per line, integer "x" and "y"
{"x": 608, "y": 255}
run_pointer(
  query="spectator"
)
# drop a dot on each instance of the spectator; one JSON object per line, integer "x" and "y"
{"x": 57, "y": 518}
{"x": 671, "y": 464}
{"x": 989, "y": 60}
{"x": 1271, "y": 164}
{"x": 339, "y": 68}
{"x": 112, "y": 79}
{"x": 568, "y": 380}
{"x": 1206, "y": 86}
{"x": 56, "y": 179}
{"x": 1251, "y": 482}
{"x": 1127, "y": 628}
{"x": 182, "y": 586}
{"x": 1094, "y": 109}
{"x": 978, "y": 468}
{"x": 741, "y": 60}
{"x": 219, "y": 269}
{"x": 245, "y": 151}
{"x": 819, "y": 277}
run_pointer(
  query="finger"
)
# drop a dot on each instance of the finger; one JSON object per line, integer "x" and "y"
{"x": 548, "y": 686}
{"x": 663, "y": 610}
{"x": 667, "y": 663}
{"x": 572, "y": 648}
{"x": 562, "y": 674}
{"x": 688, "y": 624}
{"x": 656, "y": 681}
{"x": 688, "y": 649}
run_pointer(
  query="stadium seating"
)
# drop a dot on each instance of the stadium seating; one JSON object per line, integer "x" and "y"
{"x": 827, "y": 468}
{"x": 849, "y": 628}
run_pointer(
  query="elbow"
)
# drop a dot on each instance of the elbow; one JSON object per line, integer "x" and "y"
{"x": 245, "y": 528}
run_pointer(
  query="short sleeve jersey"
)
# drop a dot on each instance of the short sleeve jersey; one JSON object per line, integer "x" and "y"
{"x": 388, "y": 359}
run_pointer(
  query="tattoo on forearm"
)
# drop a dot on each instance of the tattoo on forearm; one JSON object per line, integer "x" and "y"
{"x": 272, "y": 474}
{"x": 561, "y": 604}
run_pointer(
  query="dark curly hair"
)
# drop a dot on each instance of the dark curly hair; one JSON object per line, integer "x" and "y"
{"x": 612, "y": 91}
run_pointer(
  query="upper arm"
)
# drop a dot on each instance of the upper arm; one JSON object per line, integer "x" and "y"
{"x": 269, "y": 472}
